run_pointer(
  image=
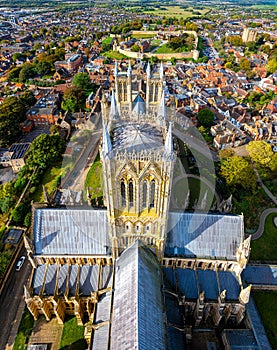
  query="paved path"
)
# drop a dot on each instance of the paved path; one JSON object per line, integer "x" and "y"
{"x": 263, "y": 217}
{"x": 266, "y": 212}
{"x": 49, "y": 332}
{"x": 269, "y": 194}
{"x": 81, "y": 163}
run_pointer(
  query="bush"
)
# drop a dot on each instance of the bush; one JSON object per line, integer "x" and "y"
{"x": 28, "y": 219}
{"x": 19, "y": 213}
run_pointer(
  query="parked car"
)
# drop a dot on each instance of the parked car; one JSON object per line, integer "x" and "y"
{"x": 20, "y": 263}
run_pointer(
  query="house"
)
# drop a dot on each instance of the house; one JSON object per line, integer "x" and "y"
{"x": 17, "y": 153}
{"x": 46, "y": 110}
{"x": 61, "y": 74}
{"x": 71, "y": 63}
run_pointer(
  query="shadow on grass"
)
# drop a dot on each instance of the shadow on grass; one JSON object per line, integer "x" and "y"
{"x": 80, "y": 344}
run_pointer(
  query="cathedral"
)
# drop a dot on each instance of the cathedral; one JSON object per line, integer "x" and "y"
{"x": 136, "y": 273}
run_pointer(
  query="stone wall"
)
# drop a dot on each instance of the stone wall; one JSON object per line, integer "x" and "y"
{"x": 161, "y": 56}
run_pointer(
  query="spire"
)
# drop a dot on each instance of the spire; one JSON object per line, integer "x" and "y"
{"x": 168, "y": 146}
{"x": 139, "y": 107}
{"x": 115, "y": 69}
{"x": 244, "y": 295}
{"x": 222, "y": 296}
{"x": 161, "y": 70}
{"x": 114, "y": 114}
{"x": 129, "y": 71}
{"x": 148, "y": 71}
{"x": 106, "y": 142}
{"x": 162, "y": 111}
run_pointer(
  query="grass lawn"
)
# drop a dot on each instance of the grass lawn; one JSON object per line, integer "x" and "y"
{"x": 155, "y": 42}
{"x": 180, "y": 189}
{"x": 108, "y": 40}
{"x": 176, "y": 11}
{"x": 272, "y": 186}
{"x": 164, "y": 49}
{"x": 51, "y": 180}
{"x": 251, "y": 205}
{"x": 73, "y": 336}
{"x": 114, "y": 55}
{"x": 24, "y": 331}
{"x": 266, "y": 303}
{"x": 94, "y": 180}
{"x": 143, "y": 36}
{"x": 265, "y": 248}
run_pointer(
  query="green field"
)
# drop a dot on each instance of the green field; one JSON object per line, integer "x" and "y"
{"x": 176, "y": 11}
{"x": 24, "y": 331}
{"x": 267, "y": 305}
{"x": 164, "y": 49}
{"x": 143, "y": 36}
{"x": 265, "y": 247}
{"x": 73, "y": 336}
{"x": 50, "y": 180}
{"x": 114, "y": 55}
{"x": 108, "y": 40}
{"x": 180, "y": 190}
{"x": 94, "y": 180}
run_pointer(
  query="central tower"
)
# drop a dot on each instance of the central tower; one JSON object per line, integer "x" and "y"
{"x": 138, "y": 160}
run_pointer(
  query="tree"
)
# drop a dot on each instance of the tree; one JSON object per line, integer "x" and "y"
{"x": 42, "y": 31}
{"x": 205, "y": 133}
{"x": 44, "y": 67}
{"x": 226, "y": 153}
{"x": 28, "y": 99}
{"x": 135, "y": 48}
{"x": 44, "y": 150}
{"x": 14, "y": 74}
{"x": 235, "y": 40}
{"x": 12, "y": 113}
{"x": 7, "y": 197}
{"x": 82, "y": 81}
{"x": 19, "y": 213}
{"x": 27, "y": 72}
{"x": 17, "y": 56}
{"x": 251, "y": 46}
{"x": 28, "y": 219}
{"x": 237, "y": 171}
{"x": 106, "y": 47}
{"x": 260, "y": 152}
{"x": 60, "y": 52}
{"x": 205, "y": 118}
{"x": 191, "y": 26}
{"x": 244, "y": 64}
{"x": 272, "y": 65}
{"x": 229, "y": 65}
{"x": 74, "y": 99}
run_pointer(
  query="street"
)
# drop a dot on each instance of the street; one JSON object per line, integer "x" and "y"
{"x": 11, "y": 297}
{"x": 75, "y": 179}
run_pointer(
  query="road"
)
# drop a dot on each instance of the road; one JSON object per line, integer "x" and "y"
{"x": 88, "y": 153}
{"x": 11, "y": 297}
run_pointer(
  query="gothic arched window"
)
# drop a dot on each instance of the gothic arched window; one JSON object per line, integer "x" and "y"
{"x": 144, "y": 194}
{"x": 131, "y": 194}
{"x": 152, "y": 194}
{"x": 123, "y": 193}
